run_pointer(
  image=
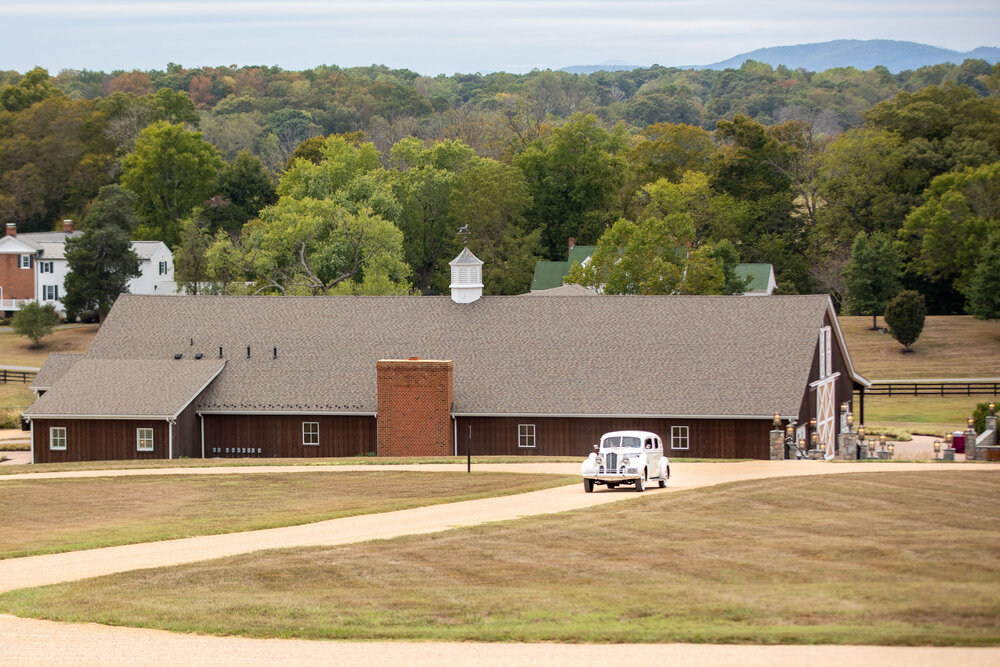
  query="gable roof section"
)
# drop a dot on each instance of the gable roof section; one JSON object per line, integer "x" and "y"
{"x": 12, "y": 245}
{"x": 55, "y": 366}
{"x": 126, "y": 388}
{"x": 547, "y": 355}
{"x": 551, "y": 274}
{"x": 759, "y": 275}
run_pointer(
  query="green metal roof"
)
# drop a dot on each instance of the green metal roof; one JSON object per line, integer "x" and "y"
{"x": 758, "y": 274}
{"x": 548, "y": 274}
{"x": 551, "y": 274}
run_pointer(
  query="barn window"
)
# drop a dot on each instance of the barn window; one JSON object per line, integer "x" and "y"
{"x": 144, "y": 439}
{"x": 525, "y": 435}
{"x": 57, "y": 438}
{"x": 679, "y": 437}
{"x": 310, "y": 433}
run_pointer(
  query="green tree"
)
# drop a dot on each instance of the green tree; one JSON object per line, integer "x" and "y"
{"x": 945, "y": 236}
{"x": 490, "y": 198}
{"x": 983, "y": 292}
{"x": 650, "y": 256}
{"x": 905, "y": 315}
{"x": 171, "y": 170}
{"x": 35, "y": 321}
{"x": 101, "y": 261}
{"x": 574, "y": 178}
{"x": 872, "y": 275}
{"x": 33, "y": 87}
{"x": 244, "y": 189}
{"x": 191, "y": 265}
{"x": 313, "y": 246}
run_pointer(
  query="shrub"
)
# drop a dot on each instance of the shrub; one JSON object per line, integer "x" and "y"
{"x": 905, "y": 316}
{"x": 35, "y": 322}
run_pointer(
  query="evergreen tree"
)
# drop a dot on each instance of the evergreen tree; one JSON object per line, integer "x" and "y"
{"x": 872, "y": 275}
{"x": 101, "y": 261}
{"x": 905, "y": 316}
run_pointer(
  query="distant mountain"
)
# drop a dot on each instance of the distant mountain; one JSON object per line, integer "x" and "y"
{"x": 861, "y": 54}
{"x": 607, "y": 66}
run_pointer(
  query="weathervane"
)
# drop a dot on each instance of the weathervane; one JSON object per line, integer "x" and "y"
{"x": 464, "y": 230}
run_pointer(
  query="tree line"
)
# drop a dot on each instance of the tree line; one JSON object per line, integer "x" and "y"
{"x": 356, "y": 180}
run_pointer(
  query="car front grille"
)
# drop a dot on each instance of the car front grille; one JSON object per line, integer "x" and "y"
{"x": 611, "y": 460}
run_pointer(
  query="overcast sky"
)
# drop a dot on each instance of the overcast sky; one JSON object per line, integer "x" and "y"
{"x": 448, "y": 36}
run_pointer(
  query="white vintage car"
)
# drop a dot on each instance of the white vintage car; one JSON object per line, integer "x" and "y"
{"x": 626, "y": 457}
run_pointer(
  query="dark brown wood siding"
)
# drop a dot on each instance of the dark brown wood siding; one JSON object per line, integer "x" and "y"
{"x": 576, "y": 436}
{"x": 99, "y": 439}
{"x": 187, "y": 434}
{"x": 281, "y": 435}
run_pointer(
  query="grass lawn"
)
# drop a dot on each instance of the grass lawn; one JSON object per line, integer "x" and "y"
{"x": 948, "y": 347}
{"x": 16, "y": 350}
{"x": 876, "y": 558}
{"x": 84, "y": 513}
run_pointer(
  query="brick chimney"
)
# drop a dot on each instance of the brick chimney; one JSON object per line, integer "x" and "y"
{"x": 68, "y": 226}
{"x": 572, "y": 242}
{"x": 11, "y": 229}
{"x": 414, "y": 407}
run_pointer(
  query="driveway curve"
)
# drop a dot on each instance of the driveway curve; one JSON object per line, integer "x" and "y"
{"x": 31, "y": 641}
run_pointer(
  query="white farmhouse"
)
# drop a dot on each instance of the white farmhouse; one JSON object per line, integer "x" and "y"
{"x": 33, "y": 267}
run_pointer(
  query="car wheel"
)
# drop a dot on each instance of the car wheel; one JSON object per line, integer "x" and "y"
{"x": 663, "y": 483}
{"x": 588, "y": 485}
{"x": 640, "y": 485}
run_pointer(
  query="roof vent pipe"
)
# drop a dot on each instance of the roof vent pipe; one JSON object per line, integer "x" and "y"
{"x": 248, "y": 351}
{"x": 192, "y": 341}
{"x": 220, "y": 352}
{"x": 275, "y": 353}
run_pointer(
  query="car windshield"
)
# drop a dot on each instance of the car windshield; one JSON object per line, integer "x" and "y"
{"x": 626, "y": 441}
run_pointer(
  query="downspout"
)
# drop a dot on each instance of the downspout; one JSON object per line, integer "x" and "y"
{"x": 454, "y": 440}
{"x": 32, "y": 441}
{"x": 202, "y": 417}
{"x": 170, "y": 438}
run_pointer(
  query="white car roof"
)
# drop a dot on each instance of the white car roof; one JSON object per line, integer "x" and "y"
{"x": 636, "y": 434}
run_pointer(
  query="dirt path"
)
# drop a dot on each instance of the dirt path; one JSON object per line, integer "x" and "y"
{"x": 41, "y": 642}
{"x": 29, "y": 642}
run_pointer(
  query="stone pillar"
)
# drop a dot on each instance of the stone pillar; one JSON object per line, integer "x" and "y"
{"x": 863, "y": 447}
{"x": 847, "y": 449}
{"x": 970, "y": 445}
{"x": 414, "y": 407}
{"x": 777, "y": 441}
{"x": 948, "y": 453}
{"x": 991, "y": 427}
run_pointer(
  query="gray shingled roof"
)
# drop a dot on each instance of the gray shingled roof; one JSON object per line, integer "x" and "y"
{"x": 55, "y": 367}
{"x": 628, "y": 355}
{"x": 154, "y": 388}
{"x": 570, "y": 289}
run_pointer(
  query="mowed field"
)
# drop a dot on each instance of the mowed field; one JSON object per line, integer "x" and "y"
{"x": 16, "y": 351}
{"x": 92, "y": 512}
{"x": 897, "y": 558}
{"x": 948, "y": 347}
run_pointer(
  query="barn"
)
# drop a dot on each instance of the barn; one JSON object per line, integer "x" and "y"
{"x": 260, "y": 376}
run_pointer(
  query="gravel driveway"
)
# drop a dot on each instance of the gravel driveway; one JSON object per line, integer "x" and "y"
{"x": 30, "y": 641}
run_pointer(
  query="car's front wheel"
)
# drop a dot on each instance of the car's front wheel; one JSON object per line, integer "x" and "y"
{"x": 588, "y": 485}
{"x": 663, "y": 483}
{"x": 640, "y": 485}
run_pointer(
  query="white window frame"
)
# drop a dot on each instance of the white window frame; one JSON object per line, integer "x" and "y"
{"x": 50, "y": 292}
{"x": 141, "y": 437}
{"x": 526, "y": 436}
{"x": 680, "y": 435}
{"x": 24, "y": 261}
{"x": 45, "y": 267}
{"x": 57, "y": 434}
{"x": 310, "y": 431}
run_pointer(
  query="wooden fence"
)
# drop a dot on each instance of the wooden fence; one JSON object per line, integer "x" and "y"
{"x": 957, "y": 387}
{"x": 16, "y": 376}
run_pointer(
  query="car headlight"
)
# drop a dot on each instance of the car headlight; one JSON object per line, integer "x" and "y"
{"x": 625, "y": 460}
{"x": 600, "y": 460}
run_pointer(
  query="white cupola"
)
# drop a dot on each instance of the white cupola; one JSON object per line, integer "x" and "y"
{"x": 466, "y": 277}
